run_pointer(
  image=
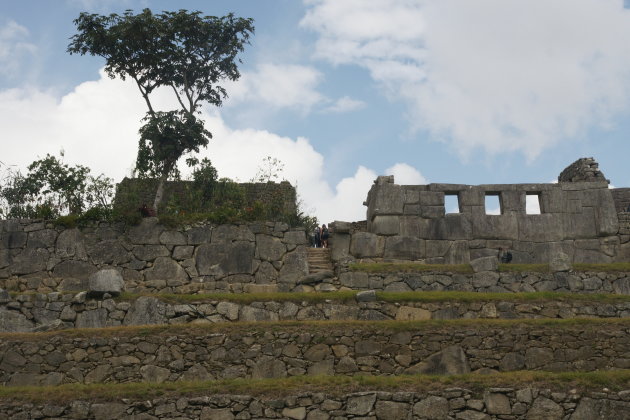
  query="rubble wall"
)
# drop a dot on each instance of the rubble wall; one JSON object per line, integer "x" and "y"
{"x": 519, "y": 403}
{"x": 53, "y": 311}
{"x": 280, "y": 350}
{"x": 39, "y": 256}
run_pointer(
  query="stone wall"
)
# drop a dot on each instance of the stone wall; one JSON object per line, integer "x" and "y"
{"x": 518, "y": 403}
{"x": 36, "y": 255}
{"x": 410, "y": 222}
{"x": 489, "y": 281}
{"x": 53, "y": 311}
{"x": 132, "y": 193}
{"x": 280, "y": 350}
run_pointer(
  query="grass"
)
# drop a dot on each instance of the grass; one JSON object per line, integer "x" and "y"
{"x": 331, "y": 385}
{"x": 322, "y": 327}
{"x": 605, "y": 268}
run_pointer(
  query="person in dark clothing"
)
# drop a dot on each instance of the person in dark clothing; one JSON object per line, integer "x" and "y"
{"x": 325, "y": 236}
{"x": 317, "y": 237}
{"x": 505, "y": 256}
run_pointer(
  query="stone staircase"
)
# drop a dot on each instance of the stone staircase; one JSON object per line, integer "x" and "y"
{"x": 319, "y": 260}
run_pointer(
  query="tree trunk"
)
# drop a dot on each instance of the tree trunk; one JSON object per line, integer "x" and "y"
{"x": 159, "y": 193}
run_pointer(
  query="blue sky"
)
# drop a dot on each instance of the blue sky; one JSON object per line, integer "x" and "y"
{"x": 491, "y": 91}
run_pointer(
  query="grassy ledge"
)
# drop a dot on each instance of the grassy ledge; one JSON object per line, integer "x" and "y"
{"x": 331, "y": 385}
{"x": 323, "y": 328}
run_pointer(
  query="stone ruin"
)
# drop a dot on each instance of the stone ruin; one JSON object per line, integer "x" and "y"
{"x": 578, "y": 217}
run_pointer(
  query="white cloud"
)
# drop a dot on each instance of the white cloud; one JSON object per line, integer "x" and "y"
{"x": 496, "y": 75}
{"x": 280, "y": 86}
{"x": 97, "y": 123}
{"x": 405, "y": 174}
{"x": 14, "y": 48}
{"x": 345, "y": 104}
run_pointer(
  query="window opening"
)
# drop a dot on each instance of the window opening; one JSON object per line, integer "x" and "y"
{"x": 532, "y": 203}
{"x": 493, "y": 203}
{"x": 451, "y": 203}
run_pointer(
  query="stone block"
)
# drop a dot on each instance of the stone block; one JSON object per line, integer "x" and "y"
{"x": 458, "y": 253}
{"x": 172, "y": 237}
{"x": 409, "y": 313}
{"x": 432, "y": 212}
{"x": 339, "y": 246}
{"x": 30, "y": 260}
{"x": 606, "y": 214}
{"x": 147, "y": 232}
{"x": 437, "y": 248}
{"x": 146, "y": 310}
{"x": 450, "y": 361}
{"x": 452, "y": 226}
{"x": 269, "y": 248}
{"x": 108, "y": 280}
{"x": 74, "y": 269}
{"x": 432, "y": 407}
{"x": 431, "y": 198}
{"x": 497, "y": 403}
{"x": 14, "y": 239}
{"x": 385, "y": 225}
{"x": 485, "y": 279}
{"x": 386, "y": 199}
{"x": 485, "y": 264}
{"x": 559, "y": 261}
{"x": 404, "y": 248}
{"x": 471, "y": 196}
{"x": 354, "y": 280}
{"x": 365, "y": 245}
{"x": 43, "y": 238}
{"x": 540, "y": 228}
{"x": 579, "y": 225}
{"x": 503, "y": 226}
{"x": 410, "y": 226}
{"x": 165, "y": 268}
{"x": 411, "y": 209}
{"x": 552, "y": 201}
{"x": 513, "y": 201}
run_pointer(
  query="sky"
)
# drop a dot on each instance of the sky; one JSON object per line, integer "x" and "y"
{"x": 341, "y": 91}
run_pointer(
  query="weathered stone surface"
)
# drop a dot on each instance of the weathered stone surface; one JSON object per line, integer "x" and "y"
{"x": 96, "y": 318}
{"x": 74, "y": 269}
{"x": 450, "y": 361}
{"x": 14, "y": 239}
{"x": 217, "y": 259}
{"x": 364, "y": 244}
{"x": 622, "y": 286}
{"x": 485, "y": 264}
{"x": 13, "y": 321}
{"x": 404, "y": 247}
{"x": 269, "y": 248}
{"x": 360, "y": 404}
{"x": 354, "y": 280}
{"x": 165, "y": 268}
{"x": 208, "y": 413}
{"x": 172, "y": 237}
{"x": 30, "y": 260}
{"x": 432, "y": 408}
{"x": 154, "y": 374}
{"x": 106, "y": 281}
{"x": 108, "y": 252}
{"x": 408, "y": 313}
{"x": 150, "y": 252}
{"x": 544, "y": 409}
{"x": 559, "y": 261}
{"x": 147, "y": 232}
{"x": 268, "y": 367}
{"x": 485, "y": 279}
{"x": 497, "y": 403}
{"x": 390, "y": 410}
{"x": 43, "y": 238}
{"x": 146, "y": 310}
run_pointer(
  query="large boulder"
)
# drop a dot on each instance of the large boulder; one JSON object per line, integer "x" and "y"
{"x": 559, "y": 261}
{"x": 485, "y": 264}
{"x": 450, "y": 361}
{"x": 107, "y": 280}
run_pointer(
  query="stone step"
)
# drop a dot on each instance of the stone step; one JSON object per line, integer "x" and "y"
{"x": 159, "y": 353}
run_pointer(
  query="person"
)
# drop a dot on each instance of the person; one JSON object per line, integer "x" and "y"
{"x": 325, "y": 235}
{"x": 505, "y": 256}
{"x": 317, "y": 237}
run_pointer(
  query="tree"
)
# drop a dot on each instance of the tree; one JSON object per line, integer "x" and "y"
{"x": 183, "y": 51}
{"x": 52, "y": 188}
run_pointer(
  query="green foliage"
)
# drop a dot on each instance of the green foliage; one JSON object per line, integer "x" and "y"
{"x": 52, "y": 188}
{"x": 164, "y": 138}
{"x": 184, "y": 51}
